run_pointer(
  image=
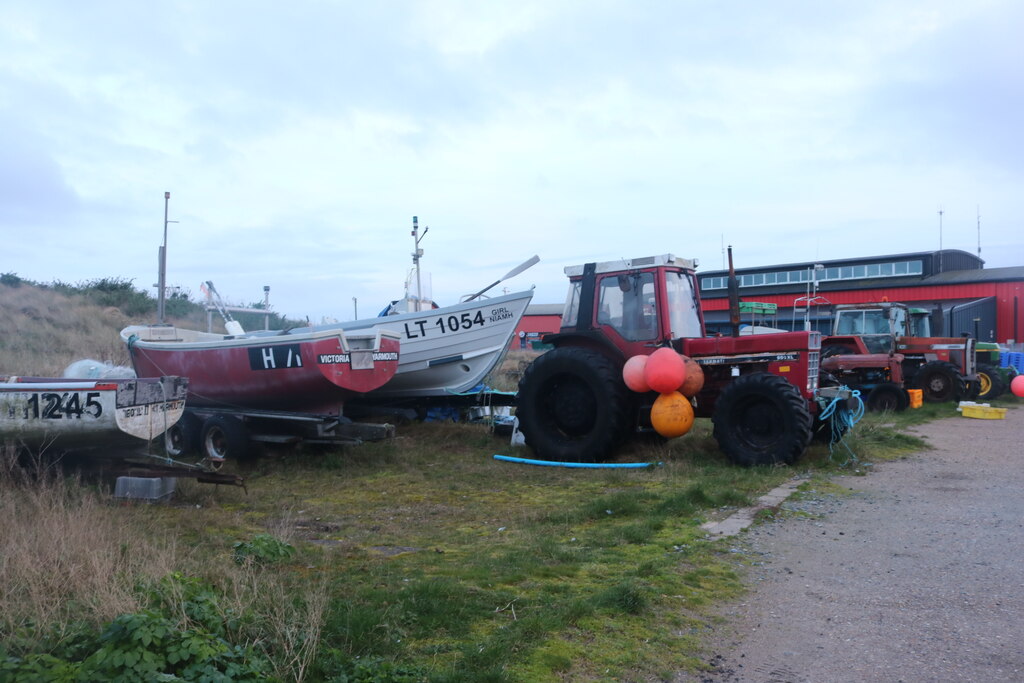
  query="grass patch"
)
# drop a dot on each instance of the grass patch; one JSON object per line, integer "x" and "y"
{"x": 420, "y": 559}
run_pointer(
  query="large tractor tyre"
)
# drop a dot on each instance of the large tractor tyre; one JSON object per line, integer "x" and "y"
{"x": 761, "y": 419}
{"x": 888, "y": 396}
{"x": 837, "y": 350}
{"x": 992, "y": 384}
{"x": 939, "y": 382}
{"x": 225, "y": 437}
{"x": 573, "y": 406}
{"x": 183, "y": 436}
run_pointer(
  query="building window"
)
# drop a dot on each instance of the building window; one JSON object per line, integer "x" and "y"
{"x": 860, "y": 271}
{"x": 885, "y": 269}
{"x": 916, "y": 268}
{"x": 873, "y": 270}
{"x": 900, "y": 268}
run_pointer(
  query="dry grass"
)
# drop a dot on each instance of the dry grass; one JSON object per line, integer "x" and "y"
{"x": 66, "y": 555}
{"x": 46, "y": 330}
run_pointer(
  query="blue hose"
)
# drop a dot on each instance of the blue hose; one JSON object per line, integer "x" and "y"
{"x": 588, "y": 465}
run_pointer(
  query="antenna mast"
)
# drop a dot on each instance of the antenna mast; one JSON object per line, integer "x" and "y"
{"x": 416, "y": 255}
{"x": 979, "y": 231}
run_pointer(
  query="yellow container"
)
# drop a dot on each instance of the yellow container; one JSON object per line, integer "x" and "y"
{"x": 916, "y": 396}
{"x": 984, "y": 412}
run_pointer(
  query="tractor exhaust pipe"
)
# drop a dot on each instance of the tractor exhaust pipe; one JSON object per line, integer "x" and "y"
{"x": 734, "y": 298}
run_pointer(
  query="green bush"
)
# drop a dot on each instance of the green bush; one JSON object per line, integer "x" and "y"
{"x": 262, "y": 549}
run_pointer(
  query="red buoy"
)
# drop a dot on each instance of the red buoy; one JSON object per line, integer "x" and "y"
{"x": 633, "y": 374}
{"x": 665, "y": 371}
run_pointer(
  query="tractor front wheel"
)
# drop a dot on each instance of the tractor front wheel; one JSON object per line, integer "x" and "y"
{"x": 762, "y": 419}
{"x": 572, "y": 405}
{"x": 888, "y": 396}
{"x": 992, "y": 384}
{"x": 939, "y": 381}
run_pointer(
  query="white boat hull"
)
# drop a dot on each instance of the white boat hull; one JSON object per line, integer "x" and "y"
{"x": 68, "y": 413}
{"x": 448, "y": 350}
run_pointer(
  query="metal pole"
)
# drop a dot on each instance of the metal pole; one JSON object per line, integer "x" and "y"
{"x": 162, "y": 276}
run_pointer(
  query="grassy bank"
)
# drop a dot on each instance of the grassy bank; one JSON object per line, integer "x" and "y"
{"x": 421, "y": 558}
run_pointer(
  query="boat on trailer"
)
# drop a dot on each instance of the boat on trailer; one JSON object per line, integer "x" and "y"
{"x": 59, "y": 412}
{"x": 311, "y": 370}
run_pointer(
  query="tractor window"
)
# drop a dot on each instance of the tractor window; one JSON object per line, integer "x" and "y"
{"x": 626, "y": 302}
{"x": 850, "y": 322}
{"x": 682, "y": 306}
{"x": 875, "y": 322}
{"x": 571, "y": 311}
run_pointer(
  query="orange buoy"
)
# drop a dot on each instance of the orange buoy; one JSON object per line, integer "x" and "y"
{"x": 665, "y": 371}
{"x": 672, "y": 415}
{"x": 633, "y": 374}
{"x": 694, "y": 381}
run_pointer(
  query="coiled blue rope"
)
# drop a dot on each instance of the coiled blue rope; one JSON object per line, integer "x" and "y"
{"x": 842, "y": 419}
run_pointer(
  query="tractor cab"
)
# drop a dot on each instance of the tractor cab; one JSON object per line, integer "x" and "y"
{"x": 878, "y": 326}
{"x": 637, "y": 304}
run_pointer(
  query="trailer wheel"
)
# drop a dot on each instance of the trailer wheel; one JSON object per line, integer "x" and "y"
{"x": 762, "y": 419}
{"x": 183, "y": 436}
{"x": 572, "y": 405}
{"x": 888, "y": 396}
{"x": 939, "y": 381}
{"x": 992, "y": 384}
{"x": 224, "y": 437}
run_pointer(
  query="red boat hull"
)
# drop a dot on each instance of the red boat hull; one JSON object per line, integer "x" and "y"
{"x": 314, "y": 372}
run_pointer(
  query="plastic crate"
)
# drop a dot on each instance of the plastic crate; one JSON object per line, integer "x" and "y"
{"x": 984, "y": 412}
{"x": 916, "y": 397}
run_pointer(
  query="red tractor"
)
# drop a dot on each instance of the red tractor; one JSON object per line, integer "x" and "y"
{"x": 943, "y": 368}
{"x": 761, "y": 391}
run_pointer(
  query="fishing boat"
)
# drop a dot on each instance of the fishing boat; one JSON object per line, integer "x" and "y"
{"x": 310, "y": 370}
{"x": 45, "y": 412}
{"x": 447, "y": 350}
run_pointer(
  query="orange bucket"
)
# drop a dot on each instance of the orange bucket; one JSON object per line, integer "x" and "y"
{"x": 916, "y": 396}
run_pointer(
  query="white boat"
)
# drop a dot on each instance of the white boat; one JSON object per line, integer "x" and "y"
{"x": 447, "y": 350}
{"x": 44, "y": 412}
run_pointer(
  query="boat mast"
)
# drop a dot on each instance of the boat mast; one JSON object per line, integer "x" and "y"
{"x": 416, "y": 254}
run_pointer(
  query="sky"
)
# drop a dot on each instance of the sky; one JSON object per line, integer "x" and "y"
{"x": 297, "y": 140}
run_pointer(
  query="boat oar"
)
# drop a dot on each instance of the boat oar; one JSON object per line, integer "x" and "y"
{"x": 529, "y": 263}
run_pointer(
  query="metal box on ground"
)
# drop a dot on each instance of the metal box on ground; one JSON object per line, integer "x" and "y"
{"x": 145, "y": 488}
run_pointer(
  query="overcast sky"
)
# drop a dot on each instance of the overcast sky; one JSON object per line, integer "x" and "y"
{"x": 298, "y": 139}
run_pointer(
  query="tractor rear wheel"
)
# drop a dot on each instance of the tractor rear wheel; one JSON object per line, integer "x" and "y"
{"x": 939, "y": 381}
{"x": 762, "y": 419}
{"x": 992, "y": 384}
{"x": 572, "y": 405}
{"x": 888, "y": 396}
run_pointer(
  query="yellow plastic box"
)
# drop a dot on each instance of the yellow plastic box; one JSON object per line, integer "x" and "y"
{"x": 916, "y": 396}
{"x": 984, "y": 412}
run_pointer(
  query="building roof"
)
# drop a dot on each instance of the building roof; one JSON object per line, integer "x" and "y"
{"x": 855, "y": 260}
{"x": 544, "y": 309}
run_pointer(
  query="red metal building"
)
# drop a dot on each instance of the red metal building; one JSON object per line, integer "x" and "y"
{"x": 961, "y": 295}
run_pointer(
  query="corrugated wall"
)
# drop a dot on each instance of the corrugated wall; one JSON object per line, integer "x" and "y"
{"x": 1009, "y": 297}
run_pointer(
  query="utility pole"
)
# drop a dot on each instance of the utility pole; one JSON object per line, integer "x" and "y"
{"x": 940, "y": 239}
{"x": 161, "y": 284}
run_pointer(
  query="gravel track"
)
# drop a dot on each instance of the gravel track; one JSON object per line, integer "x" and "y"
{"x": 916, "y": 575}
